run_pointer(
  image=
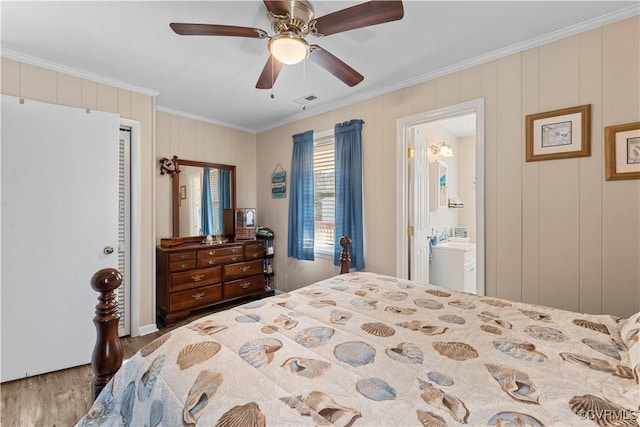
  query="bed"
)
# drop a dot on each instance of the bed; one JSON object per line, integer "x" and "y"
{"x": 373, "y": 350}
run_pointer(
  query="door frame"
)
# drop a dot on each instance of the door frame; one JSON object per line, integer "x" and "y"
{"x": 136, "y": 227}
{"x": 475, "y": 106}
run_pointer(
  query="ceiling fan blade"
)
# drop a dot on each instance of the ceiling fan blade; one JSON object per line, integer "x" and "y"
{"x": 217, "y": 30}
{"x": 335, "y": 66}
{"x": 269, "y": 73}
{"x": 278, "y": 8}
{"x": 361, "y": 15}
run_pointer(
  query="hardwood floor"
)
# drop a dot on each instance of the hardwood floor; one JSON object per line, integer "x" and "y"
{"x": 61, "y": 398}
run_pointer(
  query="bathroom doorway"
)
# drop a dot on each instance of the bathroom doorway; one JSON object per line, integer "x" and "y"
{"x": 456, "y": 197}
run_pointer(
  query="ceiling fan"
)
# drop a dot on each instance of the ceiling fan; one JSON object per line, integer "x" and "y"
{"x": 291, "y": 22}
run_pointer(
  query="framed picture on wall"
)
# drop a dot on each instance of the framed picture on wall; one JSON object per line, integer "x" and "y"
{"x": 622, "y": 151}
{"x": 559, "y": 134}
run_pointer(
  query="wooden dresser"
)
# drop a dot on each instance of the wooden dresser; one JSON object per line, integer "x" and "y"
{"x": 193, "y": 276}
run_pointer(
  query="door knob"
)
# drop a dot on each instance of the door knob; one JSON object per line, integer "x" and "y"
{"x": 108, "y": 250}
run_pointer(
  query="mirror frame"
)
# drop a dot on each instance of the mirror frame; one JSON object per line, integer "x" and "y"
{"x": 175, "y": 184}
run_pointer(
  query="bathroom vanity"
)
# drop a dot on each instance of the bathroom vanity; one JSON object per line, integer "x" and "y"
{"x": 454, "y": 266}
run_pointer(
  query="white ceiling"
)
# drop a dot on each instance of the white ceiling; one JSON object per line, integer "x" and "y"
{"x": 130, "y": 44}
{"x": 460, "y": 126}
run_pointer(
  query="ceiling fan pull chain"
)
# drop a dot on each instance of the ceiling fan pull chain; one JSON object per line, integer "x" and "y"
{"x": 271, "y": 60}
{"x": 304, "y": 81}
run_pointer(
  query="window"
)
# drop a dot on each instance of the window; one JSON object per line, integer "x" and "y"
{"x": 324, "y": 193}
{"x": 215, "y": 201}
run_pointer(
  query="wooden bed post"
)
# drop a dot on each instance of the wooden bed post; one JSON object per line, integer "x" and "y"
{"x": 345, "y": 259}
{"x": 107, "y": 353}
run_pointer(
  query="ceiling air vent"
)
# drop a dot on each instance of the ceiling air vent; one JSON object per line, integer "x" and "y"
{"x": 304, "y": 100}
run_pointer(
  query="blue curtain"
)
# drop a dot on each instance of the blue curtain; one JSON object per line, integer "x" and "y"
{"x": 348, "y": 151}
{"x": 301, "y": 226}
{"x": 206, "y": 214}
{"x": 224, "y": 194}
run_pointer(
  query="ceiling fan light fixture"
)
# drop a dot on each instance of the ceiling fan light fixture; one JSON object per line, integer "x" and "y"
{"x": 288, "y": 48}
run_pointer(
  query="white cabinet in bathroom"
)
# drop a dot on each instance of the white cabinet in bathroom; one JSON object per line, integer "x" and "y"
{"x": 454, "y": 266}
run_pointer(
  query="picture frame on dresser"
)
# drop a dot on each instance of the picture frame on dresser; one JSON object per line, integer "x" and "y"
{"x": 622, "y": 151}
{"x": 558, "y": 134}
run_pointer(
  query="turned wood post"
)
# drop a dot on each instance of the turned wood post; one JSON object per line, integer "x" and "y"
{"x": 107, "y": 353}
{"x": 345, "y": 259}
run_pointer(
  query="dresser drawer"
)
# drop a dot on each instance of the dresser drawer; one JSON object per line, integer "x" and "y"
{"x": 242, "y": 269}
{"x": 254, "y": 251}
{"x": 183, "y": 265}
{"x": 238, "y": 288}
{"x": 195, "y": 278}
{"x": 207, "y": 261}
{"x": 217, "y": 251}
{"x": 182, "y": 256}
{"x": 195, "y": 298}
{"x": 254, "y": 247}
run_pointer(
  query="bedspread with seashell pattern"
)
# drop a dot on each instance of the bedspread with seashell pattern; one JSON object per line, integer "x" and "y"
{"x": 372, "y": 350}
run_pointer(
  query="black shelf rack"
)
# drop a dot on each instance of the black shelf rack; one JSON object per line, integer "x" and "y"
{"x": 267, "y": 236}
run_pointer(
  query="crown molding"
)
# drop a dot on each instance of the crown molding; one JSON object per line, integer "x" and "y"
{"x": 32, "y": 60}
{"x": 553, "y": 36}
{"x": 201, "y": 119}
{"x": 569, "y": 31}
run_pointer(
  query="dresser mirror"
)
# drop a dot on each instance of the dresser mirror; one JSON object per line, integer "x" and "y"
{"x": 190, "y": 202}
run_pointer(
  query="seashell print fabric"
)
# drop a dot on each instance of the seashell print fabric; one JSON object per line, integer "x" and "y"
{"x": 364, "y": 349}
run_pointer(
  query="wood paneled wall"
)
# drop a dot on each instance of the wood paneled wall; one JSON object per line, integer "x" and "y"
{"x": 40, "y": 84}
{"x": 556, "y": 232}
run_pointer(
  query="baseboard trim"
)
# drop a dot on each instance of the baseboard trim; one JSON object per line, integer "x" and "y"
{"x": 148, "y": 329}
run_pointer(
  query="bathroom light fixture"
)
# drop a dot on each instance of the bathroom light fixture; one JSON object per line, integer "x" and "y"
{"x": 288, "y": 48}
{"x": 442, "y": 149}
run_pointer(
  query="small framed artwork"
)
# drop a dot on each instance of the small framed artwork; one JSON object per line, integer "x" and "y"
{"x": 559, "y": 134}
{"x": 622, "y": 151}
{"x": 183, "y": 192}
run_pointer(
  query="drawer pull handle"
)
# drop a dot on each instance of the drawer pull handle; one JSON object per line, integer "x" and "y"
{"x": 245, "y": 268}
{"x": 234, "y": 258}
{"x": 212, "y": 261}
{"x": 245, "y": 285}
{"x": 211, "y": 252}
{"x": 234, "y": 250}
{"x": 184, "y": 256}
{"x": 197, "y": 296}
{"x": 183, "y": 265}
{"x": 197, "y": 277}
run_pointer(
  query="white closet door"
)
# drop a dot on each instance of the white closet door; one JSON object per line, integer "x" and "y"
{"x": 59, "y": 213}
